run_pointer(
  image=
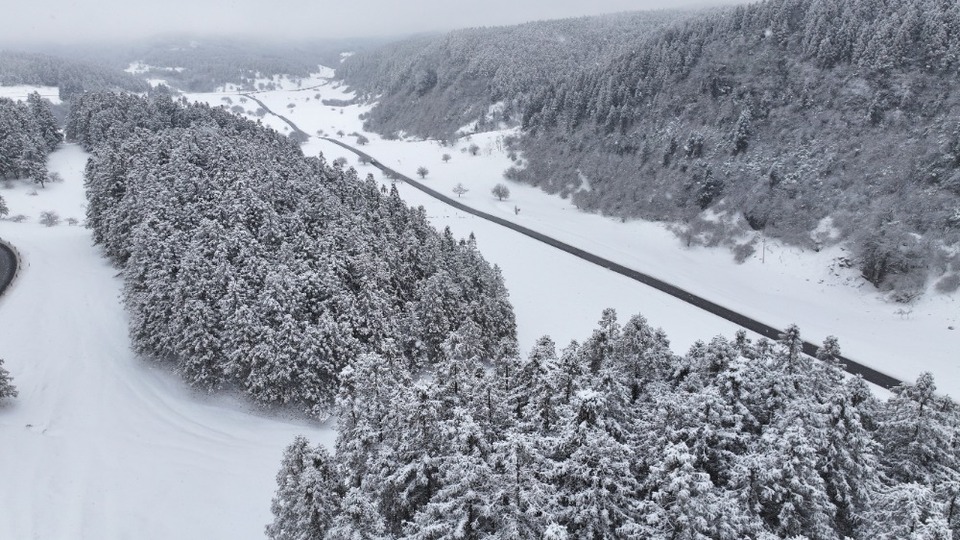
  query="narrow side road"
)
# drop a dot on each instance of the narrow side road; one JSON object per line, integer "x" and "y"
{"x": 297, "y": 130}
{"x": 869, "y": 374}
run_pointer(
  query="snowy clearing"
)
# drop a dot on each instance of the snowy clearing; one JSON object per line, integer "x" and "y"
{"x": 100, "y": 443}
{"x": 19, "y": 93}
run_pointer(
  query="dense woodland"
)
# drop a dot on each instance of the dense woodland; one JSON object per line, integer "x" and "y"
{"x": 28, "y": 133}
{"x": 248, "y": 266}
{"x": 72, "y": 77}
{"x": 619, "y": 437}
{"x": 434, "y": 85}
{"x": 202, "y": 64}
{"x": 807, "y": 120}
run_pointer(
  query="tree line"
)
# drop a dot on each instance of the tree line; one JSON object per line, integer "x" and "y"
{"x": 618, "y": 437}
{"x": 248, "y": 266}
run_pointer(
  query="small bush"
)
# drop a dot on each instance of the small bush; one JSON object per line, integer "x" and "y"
{"x": 54, "y": 177}
{"x": 19, "y": 218}
{"x": 742, "y": 252}
{"x": 948, "y": 284}
{"x": 72, "y": 221}
{"x": 49, "y": 218}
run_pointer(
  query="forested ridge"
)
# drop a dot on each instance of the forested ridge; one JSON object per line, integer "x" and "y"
{"x": 618, "y": 437}
{"x": 808, "y": 120}
{"x": 71, "y": 76}
{"x": 248, "y": 266}
{"x": 434, "y": 85}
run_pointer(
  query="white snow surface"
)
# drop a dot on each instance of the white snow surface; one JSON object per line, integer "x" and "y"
{"x": 101, "y": 443}
{"x": 557, "y": 294}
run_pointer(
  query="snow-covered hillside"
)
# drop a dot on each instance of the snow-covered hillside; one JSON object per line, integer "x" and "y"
{"x": 778, "y": 285}
{"x": 100, "y": 443}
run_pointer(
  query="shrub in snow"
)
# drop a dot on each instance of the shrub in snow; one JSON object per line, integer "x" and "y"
{"x": 49, "y": 218}
{"x": 500, "y": 191}
{"x": 422, "y": 172}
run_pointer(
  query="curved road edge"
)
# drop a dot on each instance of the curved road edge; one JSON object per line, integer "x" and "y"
{"x": 850, "y": 366}
{"x": 9, "y": 265}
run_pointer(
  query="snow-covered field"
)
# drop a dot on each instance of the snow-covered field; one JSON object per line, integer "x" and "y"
{"x": 556, "y": 294}
{"x": 100, "y": 443}
{"x": 19, "y": 93}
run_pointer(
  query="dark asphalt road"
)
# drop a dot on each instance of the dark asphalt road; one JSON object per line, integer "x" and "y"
{"x": 869, "y": 374}
{"x": 8, "y": 267}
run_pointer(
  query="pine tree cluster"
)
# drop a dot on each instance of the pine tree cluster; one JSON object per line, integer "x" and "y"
{"x": 28, "y": 133}
{"x": 619, "y": 437}
{"x": 247, "y": 265}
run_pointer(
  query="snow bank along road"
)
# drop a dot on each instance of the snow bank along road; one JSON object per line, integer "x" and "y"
{"x": 8, "y": 266}
{"x": 869, "y": 374}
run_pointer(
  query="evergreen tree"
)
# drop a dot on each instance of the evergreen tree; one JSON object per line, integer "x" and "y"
{"x": 358, "y": 519}
{"x": 46, "y": 123}
{"x": 306, "y": 500}
{"x": 7, "y": 390}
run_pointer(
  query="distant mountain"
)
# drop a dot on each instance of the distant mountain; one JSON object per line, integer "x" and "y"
{"x": 808, "y": 120}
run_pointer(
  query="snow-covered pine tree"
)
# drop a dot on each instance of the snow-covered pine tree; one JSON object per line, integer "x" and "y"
{"x": 307, "y": 499}
{"x": 46, "y": 123}
{"x": 358, "y": 519}
{"x": 596, "y": 490}
{"x": 7, "y": 389}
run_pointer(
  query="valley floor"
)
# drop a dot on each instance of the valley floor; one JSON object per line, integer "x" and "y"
{"x": 779, "y": 285}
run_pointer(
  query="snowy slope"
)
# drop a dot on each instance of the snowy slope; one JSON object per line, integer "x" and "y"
{"x": 783, "y": 286}
{"x": 102, "y": 444}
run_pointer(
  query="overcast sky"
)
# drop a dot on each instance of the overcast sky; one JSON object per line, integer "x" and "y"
{"x": 67, "y": 21}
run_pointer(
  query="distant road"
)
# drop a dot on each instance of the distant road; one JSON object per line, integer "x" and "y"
{"x": 280, "y": 116}
{"x": 869, "y": 374}
{"x": 8, "y": 266}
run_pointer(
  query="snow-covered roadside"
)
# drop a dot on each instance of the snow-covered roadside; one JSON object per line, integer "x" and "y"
{"x": 784, "y": 285}
{"x": 100, "y": 443}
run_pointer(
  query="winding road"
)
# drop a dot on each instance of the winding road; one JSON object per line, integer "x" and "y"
{"x": 8, "y": 266}
{"x": 869, "y": 374}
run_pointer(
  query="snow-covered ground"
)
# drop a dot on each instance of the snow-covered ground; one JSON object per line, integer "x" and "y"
{"x": 778, "y": 285}
{"x": 19, "y": 93}
{"x": 100, "y": 443}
